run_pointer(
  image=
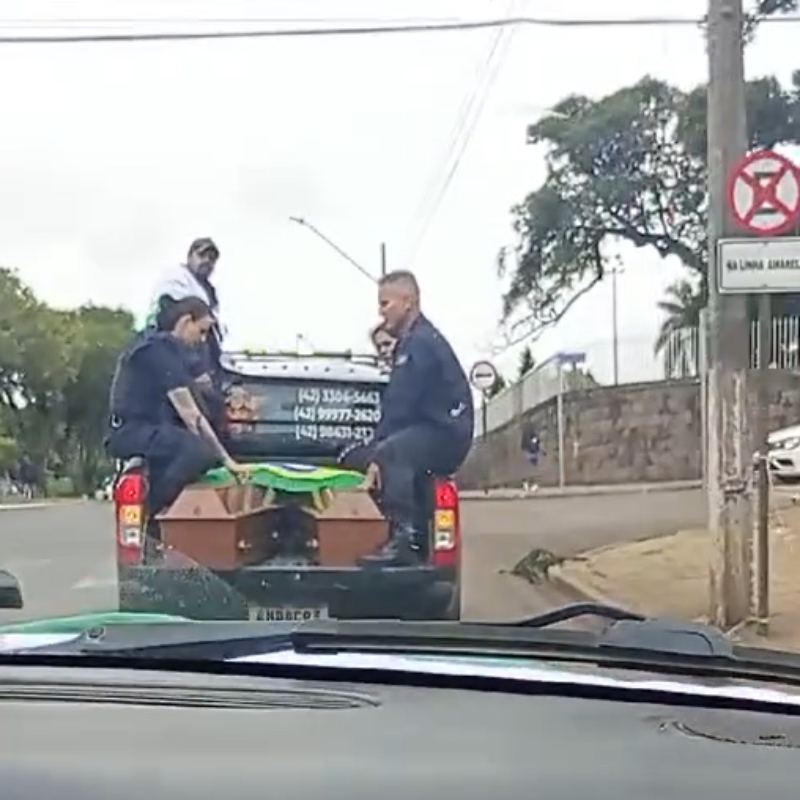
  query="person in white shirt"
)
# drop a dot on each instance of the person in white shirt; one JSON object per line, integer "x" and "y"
{"x": 192, "y": 279}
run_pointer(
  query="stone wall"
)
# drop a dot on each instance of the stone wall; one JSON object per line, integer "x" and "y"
{"x": 614, "y": 434}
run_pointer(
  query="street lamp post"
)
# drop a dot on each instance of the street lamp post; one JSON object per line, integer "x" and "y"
{"x": 346, "y": 256}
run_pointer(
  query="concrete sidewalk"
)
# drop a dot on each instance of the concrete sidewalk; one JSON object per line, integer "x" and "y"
{"x": 547, "y": 493}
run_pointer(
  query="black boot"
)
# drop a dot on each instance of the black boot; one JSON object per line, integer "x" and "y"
{"x": 402, "y": 549}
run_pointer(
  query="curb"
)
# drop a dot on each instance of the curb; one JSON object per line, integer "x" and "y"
{"x": 23, "y": 506}
{"x": 578, "y": 588}
{"x": 32, "y": 506}
{"x": 581, "y": 591}
{"x": 579, "y": 491}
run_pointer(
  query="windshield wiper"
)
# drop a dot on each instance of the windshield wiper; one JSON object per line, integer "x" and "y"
{"x": 156, "y": 639}
{"x": 631, "y": 641}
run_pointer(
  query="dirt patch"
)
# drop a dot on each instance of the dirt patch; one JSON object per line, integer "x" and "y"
{"x": 668, "y": 576}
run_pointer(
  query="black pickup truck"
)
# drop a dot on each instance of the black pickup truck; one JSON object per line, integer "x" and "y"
{"x": 299, "y": 410}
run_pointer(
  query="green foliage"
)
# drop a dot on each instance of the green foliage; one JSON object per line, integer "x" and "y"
{"x": 526, "y": 363}
{"x": 579, "y": 378}
{"x": 103, "y": 333}
{"x": 628, "y": 167}
{"x": 8, "y": 453}
{"x": 55, "y": 370}
{"x": 681, "y": 308}
{"x": 498, "y": 386}
{"x": 766, "y": 8}
{"x": 61, "y": 487}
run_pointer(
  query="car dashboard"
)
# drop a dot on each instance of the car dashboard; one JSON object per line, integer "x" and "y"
{"x": 87, "y": 734}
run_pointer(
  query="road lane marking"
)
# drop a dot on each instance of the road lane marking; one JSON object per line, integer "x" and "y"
{"x": 34, "y": 504}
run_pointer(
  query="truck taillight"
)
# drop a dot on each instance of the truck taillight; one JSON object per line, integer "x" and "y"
{"x": 129, "y": 493}
{"x": 446, "y": 523}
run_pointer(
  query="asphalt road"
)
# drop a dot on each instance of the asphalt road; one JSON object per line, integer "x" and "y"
{"x": 64, "y": 555}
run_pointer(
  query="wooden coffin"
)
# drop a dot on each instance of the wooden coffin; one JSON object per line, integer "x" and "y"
{"x": 349, "y": 528}
{"x": 219, "y": 528}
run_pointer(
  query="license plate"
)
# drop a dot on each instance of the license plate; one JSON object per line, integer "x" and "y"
{"x": 286, "y": 614}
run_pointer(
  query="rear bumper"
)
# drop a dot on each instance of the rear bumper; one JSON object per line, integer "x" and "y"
{"x": 424, "y": 592}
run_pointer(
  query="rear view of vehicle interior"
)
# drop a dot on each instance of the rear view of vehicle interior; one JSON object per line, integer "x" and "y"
{"x": 84, "y": 734}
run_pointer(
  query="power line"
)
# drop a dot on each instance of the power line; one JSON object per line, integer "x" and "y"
{"x": 110, "y": 38}
{"x": 462, "y": 120}
{"x": 494, "y": 63}
{"x": 72, "y": 22}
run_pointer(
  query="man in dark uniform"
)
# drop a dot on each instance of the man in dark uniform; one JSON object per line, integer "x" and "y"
{"x": 153, "y": 412}
{"x": 428, "y": 415}
{"x": 194, "y": 279}
{"x": 206, "y": 381}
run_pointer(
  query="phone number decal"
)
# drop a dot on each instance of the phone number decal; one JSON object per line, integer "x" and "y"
{"x": 337, "y": 416}
{"x": 315, "y": 396}
{"x": 343, "y": 433}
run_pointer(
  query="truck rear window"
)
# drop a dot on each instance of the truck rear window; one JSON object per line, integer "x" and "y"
{"x": 284, "y": 416}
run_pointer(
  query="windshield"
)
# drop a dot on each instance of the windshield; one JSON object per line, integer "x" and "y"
{"x": 454, "y": 336}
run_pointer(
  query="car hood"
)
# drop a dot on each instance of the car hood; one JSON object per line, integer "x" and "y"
{"x": 28, "y": 637}
{"x": 792, "y": 432}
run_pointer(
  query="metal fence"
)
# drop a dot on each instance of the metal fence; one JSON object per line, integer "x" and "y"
{"x": 681, "y": 358}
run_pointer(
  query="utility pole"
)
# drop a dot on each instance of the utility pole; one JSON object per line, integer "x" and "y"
{"x": 383, "y": 259}
{"x": 729, "y": 431}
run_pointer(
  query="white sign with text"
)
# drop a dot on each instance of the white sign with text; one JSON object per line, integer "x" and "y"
{"x": 759, "y": 266}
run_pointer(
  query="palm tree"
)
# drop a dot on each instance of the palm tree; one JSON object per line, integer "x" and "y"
{"x": 678, "y": 337}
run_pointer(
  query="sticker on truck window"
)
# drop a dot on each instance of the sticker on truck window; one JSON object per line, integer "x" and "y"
{"x": 305, "y": 412}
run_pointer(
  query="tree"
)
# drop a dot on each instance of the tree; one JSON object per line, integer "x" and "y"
{"x": 628, "y": 167}
{"x": 498, "y": 386}
{"x": 764, "y": 9}
{"x": 55, "y": 371}
{"x": 102, "y": 335}
{"x": 35, "y": 363}
{"x": 579, "y": 377}
{"x": 526, "y": 363}
{"x": 34, "y": 345}
{"x": 677, "y": 337}
{"x": 8, "y": 454}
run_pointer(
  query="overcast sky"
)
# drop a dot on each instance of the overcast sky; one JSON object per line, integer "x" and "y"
{"x": 115, "y": 156}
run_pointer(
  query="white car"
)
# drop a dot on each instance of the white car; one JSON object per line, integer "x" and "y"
{"x": 784, "y": 453}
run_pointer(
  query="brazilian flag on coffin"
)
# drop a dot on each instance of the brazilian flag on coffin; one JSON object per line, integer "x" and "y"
{"x": 292, "y": 477}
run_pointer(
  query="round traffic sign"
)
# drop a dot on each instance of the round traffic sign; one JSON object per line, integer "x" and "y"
{"x": 483, "y": 375}
{"x": 764, "y": 193}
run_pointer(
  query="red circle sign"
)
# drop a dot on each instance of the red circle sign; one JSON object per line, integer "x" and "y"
{"x": 764, "y": 193}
